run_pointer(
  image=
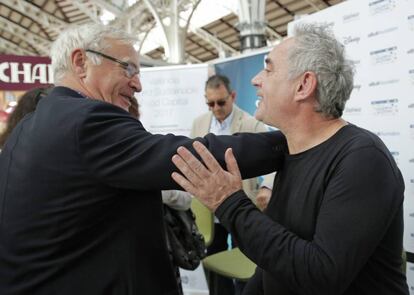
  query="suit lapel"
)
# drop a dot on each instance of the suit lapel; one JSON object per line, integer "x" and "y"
{"x": 205, "y": 124}
{"x": 236, "y": 123}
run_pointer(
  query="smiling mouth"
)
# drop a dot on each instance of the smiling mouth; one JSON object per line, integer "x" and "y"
{"x": 127, "y": 98}
{"x": 126, "y": 102}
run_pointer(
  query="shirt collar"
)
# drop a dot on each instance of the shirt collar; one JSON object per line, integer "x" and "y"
{"x": 225, "y": 125}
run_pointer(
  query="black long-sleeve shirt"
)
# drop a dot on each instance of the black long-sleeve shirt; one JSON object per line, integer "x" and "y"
{"x": 334, "y": 224}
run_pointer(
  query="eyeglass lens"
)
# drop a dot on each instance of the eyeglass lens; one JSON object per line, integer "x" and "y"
{"x": 132, "y": 71}
{"x": 220, "y": 103}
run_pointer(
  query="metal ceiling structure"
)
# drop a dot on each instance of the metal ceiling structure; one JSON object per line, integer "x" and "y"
{"x": 29, "y": 27}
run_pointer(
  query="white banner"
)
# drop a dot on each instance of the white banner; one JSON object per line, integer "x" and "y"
{"x": 172, "y": 98}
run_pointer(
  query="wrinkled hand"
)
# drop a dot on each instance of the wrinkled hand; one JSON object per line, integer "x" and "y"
{"x": 263, "y": 197}
{"x": 211, "y": 184}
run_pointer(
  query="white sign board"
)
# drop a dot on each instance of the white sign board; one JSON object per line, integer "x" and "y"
{"x": 172, "y": 97}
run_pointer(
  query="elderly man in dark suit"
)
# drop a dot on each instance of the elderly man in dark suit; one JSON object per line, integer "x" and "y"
{"x": 80, "y": 200}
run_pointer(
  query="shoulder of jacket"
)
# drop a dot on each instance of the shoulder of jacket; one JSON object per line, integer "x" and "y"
{"x": 202, "y": 117}
{"x": 245, "y": 116}
{"x": 251, "y": 123}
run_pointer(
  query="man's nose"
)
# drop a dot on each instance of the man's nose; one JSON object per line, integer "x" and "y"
{"x": 256, "y": 81}
{"x": 135, "y": 83}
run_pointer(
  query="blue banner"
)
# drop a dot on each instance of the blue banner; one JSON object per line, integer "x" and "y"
{"x": 240, "y": 71}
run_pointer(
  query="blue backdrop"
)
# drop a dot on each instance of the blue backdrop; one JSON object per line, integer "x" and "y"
{"x": 240, "y": 72}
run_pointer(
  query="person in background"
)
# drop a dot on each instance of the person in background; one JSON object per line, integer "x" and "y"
{"x": 81, "y": 179}
{"x": 225, "y": 118}
{"x": 334, "y": 224}
{"x": 26, "y": 104}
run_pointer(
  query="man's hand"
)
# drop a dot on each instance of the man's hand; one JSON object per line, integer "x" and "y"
{"x": 263, "y": 197}
{"x": 211, "y": 184}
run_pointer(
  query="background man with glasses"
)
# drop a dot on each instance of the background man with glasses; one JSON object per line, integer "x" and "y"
{"x": 225, "y": 118}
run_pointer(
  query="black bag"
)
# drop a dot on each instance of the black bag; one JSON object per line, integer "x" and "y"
{"x": 185, "y": 242}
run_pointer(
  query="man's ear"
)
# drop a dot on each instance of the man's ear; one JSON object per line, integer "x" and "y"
{"x": 306, "y": 86}
{"x": 233, "y": 96}
{"x": 78, "y": 59}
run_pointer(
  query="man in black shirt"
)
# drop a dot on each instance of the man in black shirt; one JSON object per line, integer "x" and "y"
{"x": 334, "y": 224}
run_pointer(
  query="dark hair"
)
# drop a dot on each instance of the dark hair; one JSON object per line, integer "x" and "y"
{"x": 216, "y": 81}
{"x": 26, "y": 104}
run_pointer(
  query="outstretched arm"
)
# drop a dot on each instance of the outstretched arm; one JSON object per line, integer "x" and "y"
{"x": 119, "y": 152}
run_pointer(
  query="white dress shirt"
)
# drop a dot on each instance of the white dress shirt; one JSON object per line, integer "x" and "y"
{"x": 223, "y": 128}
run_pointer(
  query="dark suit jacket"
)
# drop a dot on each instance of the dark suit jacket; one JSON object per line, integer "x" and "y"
{"x": 80, "y": 201}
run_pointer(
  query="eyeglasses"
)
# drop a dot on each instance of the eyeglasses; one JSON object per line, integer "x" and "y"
{"x": 220, "y": 102}
{"x": 130, "y": 69}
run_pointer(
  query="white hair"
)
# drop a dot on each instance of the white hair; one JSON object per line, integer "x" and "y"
{"x": 315, "y": 49}
{"x": 87, "y": 36}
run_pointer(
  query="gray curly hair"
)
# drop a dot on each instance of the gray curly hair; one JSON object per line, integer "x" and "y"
{"x": 84, "y": 37}
{"x": 316, "y": 49}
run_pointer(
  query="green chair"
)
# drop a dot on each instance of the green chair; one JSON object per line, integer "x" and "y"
{"x": 232, "y": 264}
{"x": 204, "y": 220}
